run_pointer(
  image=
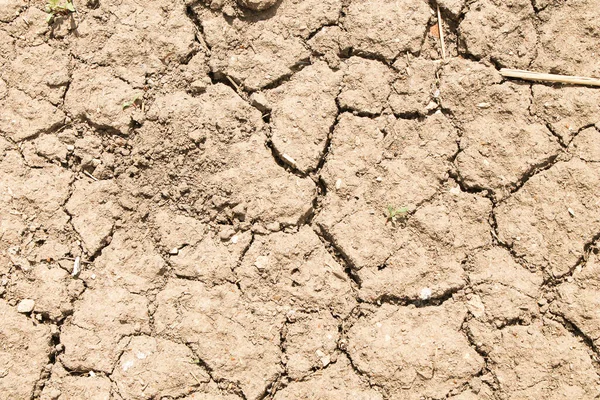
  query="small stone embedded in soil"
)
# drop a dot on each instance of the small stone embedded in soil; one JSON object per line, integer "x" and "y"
{"x": 414, "y": 351}
{"x": 26, "y": 306}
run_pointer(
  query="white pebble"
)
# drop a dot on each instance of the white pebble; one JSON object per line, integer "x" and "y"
{"x": 289, "y": 160}
{"x": 425, "y": 293}
{"x": 76, "y": 267}
{"x": 261, "y": 262}
{"x": 25, "y": 306}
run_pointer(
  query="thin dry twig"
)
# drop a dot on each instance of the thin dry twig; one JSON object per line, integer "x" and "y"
{"x": 196, "y": 378}
{"x": 237, "y": 88}
{"x": 73, "y": 259}
{"x": 91, "y": 176}
{"x": 541, "y": 77}
{"x": 441, "y": 28}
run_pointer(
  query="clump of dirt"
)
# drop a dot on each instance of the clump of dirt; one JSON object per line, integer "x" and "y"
{"x": 258, "y": 199}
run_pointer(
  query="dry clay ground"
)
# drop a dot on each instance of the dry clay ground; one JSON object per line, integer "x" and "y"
{"x": 231, "y": 222}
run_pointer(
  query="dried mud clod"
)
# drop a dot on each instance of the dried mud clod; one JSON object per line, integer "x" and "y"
{"x": 259, "y": 199}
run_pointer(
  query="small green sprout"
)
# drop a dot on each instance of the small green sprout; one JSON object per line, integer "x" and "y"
{"x": 134, "y": 102}
{"x": 56, "y": 7}
{"x": 395, "y": 214}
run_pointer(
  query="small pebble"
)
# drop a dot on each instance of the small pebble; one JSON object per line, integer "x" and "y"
{"x": 174, "y": 251}
{"x": 261, "y": 263}
{"x": 425, "y": 293}
{"x": 76, "y": 267}
{"x": 26, "y": 306}
{"x": 289, "y": 160}
{"x": 274, "y": 226}
{"x": 542, "y": 302}
{"x": 226, "y": 233}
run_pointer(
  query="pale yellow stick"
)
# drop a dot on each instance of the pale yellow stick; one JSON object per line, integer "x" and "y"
{"x": 537, "y": 76}
{"x": 441, "y": 28}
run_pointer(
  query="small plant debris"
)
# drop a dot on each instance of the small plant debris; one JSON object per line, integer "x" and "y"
{"x": 395, "y": 214}
{"x": 57, "y": 7}
{"x": 136, "y": 101}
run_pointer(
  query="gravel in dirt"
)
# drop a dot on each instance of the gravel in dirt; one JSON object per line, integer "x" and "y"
{"x": 258, "y": 199}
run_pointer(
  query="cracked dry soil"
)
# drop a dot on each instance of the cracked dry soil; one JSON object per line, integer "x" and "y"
{"x": 231, "y": 221}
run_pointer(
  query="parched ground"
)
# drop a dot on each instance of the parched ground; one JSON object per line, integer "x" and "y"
{"x": 222, "y": 173}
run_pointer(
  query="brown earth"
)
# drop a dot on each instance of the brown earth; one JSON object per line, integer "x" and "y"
{"x": 223, "y": 173}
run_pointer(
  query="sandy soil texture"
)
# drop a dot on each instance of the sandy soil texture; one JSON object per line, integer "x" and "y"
{"x": 298, "y": 199}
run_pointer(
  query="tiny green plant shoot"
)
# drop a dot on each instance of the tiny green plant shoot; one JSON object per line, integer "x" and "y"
{"x": 395, "y": 214}
{"x": 57, "y": 7}
{"x": 134, "y": 102}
